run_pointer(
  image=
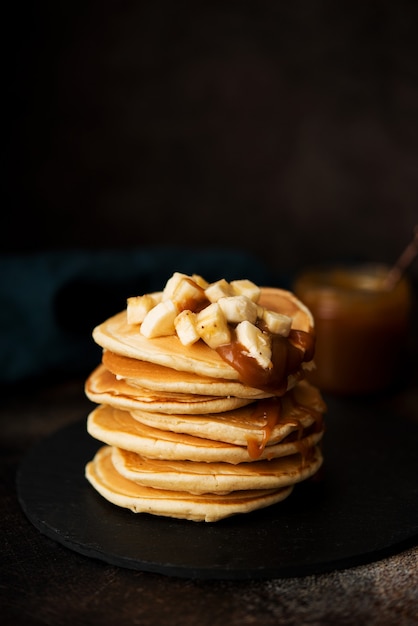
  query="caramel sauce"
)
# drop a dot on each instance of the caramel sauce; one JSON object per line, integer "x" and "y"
{"x": 269, "y": 410}
{"x": 362, "y": 327}
{"x": 288, "y": 353}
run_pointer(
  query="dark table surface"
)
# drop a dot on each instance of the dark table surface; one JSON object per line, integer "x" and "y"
{"x": 44, "y": 582}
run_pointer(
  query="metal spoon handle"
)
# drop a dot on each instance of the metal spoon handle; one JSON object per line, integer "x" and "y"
{"x": 396, "y": 272}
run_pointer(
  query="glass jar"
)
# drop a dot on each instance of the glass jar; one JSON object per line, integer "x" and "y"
{"x": 361, "y": 326}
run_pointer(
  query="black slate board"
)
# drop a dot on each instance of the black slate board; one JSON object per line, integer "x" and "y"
{"x": 365, "y": 507}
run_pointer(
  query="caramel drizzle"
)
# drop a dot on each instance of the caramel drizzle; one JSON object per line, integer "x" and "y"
{"x": 270, "y": 410}
{"x": 288, "y": 353}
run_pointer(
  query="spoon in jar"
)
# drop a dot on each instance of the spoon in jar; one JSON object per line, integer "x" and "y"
{"x": 408, "y": 255}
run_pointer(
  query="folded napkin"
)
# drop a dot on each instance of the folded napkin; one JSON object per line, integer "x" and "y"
{"x": 51, "y": 301}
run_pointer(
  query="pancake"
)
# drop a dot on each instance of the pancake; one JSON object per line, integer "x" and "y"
{"x": 116, "y": 335}
{"x": 199, "y": 478}
{"x": 202, "y": 407}
{"x": 118, "y": 428}
{"x": 159, "y": 378}
{"x": 268, "y": 419}
{"x": 102, "y": 387}
{"x": 100, "y": 472}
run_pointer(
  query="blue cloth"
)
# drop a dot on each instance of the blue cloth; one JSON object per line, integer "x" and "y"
{"x": 50, "y": 302}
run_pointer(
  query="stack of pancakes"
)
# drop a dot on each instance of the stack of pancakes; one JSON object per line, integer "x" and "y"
{"x": 185, "y": 437}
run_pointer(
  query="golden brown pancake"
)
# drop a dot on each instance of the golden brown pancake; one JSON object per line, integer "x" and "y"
{"x": 159, "y": 378}
{"x": 272, "y": 419}
{"x": 199, "y": 478}
{"x": 118, "y": 428}
{"x": 209, "y": 507}
{"x": 103, "y": 387}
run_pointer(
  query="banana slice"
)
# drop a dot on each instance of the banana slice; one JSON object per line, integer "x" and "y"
{"x": 238, "y": 308}
{"x": 219, "y": 289}
{"x": 159, "y": 321}
{"x": 255, "y": 342}
{"x": 247, "y": 288}
{"x": 277, "y": 323}
{"x": 172, "y": 284}
{"x": 188, "y": 295}
{"x": 186, "y": 327}
{"x": 212, "y": 326}
{"x": 137, "y": 307}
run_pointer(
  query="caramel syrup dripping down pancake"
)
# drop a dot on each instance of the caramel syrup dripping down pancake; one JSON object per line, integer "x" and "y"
{"x": 262, "y": 421}
{"x": 118, "y": 428}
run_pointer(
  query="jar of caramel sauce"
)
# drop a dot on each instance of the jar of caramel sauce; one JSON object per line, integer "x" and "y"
{"x": 361, "y": 327}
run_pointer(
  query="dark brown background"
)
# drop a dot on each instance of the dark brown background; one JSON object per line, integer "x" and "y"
{"x": 286, "y": 128}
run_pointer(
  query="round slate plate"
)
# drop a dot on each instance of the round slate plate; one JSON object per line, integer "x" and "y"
{"x": 363, "y": 507}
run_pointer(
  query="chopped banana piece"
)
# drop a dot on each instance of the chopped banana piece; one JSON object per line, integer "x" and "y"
{"x": 219, "y": 289}
{"x": 255, "y": 342}
{"x": 188, "y": 295}
{"x": 277, "y": 323}
{"x": 247, "y": 288}
{"x": 238, "y": 308}
{"x": 159, "y": 321}
{"x": 185, "y": 325}
{"x": 200, "y": 281}
{"x": 212, "y": 326}
{"x": 138, "y": 306}
{"x": 260, "y": 311}
{"x": 172, "y": 284}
